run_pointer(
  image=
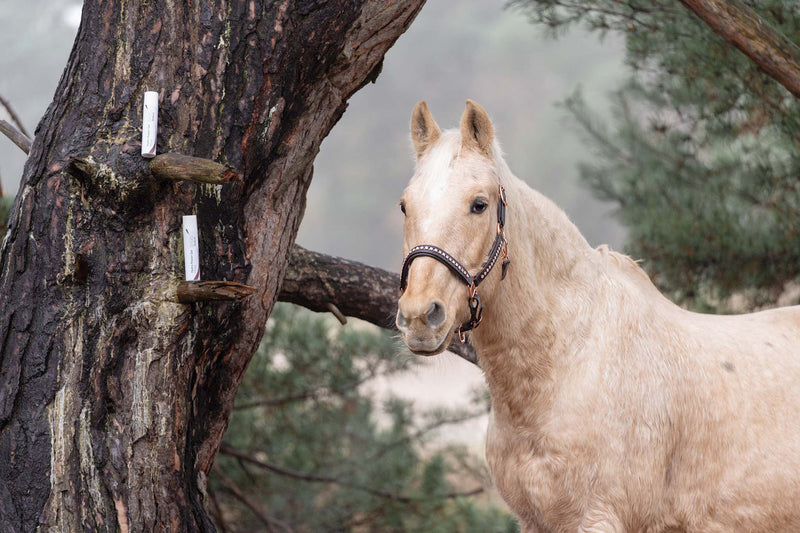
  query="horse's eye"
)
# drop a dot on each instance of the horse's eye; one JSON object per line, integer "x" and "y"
{"x": 479, "y": 206}
{"x": 403, "y": 207}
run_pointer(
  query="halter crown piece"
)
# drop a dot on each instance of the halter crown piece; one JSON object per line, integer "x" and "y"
{"x": 499, "y": 249}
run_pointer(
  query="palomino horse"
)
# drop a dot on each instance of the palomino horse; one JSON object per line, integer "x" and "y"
{"x": 612, "y": 408}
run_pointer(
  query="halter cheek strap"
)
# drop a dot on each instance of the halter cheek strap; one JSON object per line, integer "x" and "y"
{"x": 499, "y": 249}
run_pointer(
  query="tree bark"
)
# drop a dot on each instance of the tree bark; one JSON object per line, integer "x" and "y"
{"x": 774, "y": 54}
{"x": 114, "y": 396}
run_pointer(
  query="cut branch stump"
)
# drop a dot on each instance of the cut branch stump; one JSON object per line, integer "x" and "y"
{"x": 181, "y": 167}
{"x": 204, "y": 291}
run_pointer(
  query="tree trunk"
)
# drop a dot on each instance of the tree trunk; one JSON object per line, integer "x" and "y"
{"x": 113, "y": 395}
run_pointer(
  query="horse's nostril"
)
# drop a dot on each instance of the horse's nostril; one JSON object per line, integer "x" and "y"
{"x": 435, "y": 315}
{"x": 401, "y": 321}
{"x": 432, "y": 317}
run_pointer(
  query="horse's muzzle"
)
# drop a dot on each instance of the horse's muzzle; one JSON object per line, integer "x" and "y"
{"x": 423, "y": 325}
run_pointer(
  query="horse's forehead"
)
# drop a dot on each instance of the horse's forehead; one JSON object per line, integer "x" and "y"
{"x": 433, "y": 179}
{"x": 442, "y": 174}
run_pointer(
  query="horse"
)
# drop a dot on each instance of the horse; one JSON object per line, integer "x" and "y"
{"x": 613, "y": 409}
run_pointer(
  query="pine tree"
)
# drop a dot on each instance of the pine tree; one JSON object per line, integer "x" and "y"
{"x": 308, "y": 449}
{"x": 702, "y": 155}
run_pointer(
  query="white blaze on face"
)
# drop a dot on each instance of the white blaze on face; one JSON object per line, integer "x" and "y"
{"x": 432, "y": 185}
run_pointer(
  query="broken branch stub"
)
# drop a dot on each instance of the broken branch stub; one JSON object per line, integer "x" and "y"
{"x": 203, "y": 291}
{"x": 16, "y": 136}
{"x": 181, "y": 167}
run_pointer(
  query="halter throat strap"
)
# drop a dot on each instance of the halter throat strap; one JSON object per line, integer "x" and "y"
{"x": 499, "y": 248}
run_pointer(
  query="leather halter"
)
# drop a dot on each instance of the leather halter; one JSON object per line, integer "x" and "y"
{"x": 499, "y": 248}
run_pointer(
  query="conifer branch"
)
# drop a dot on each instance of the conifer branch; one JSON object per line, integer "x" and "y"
{"x": 268, "y": 522}
{"x": 226, "y": 449}
{"x": 738, "y": 24}
{"x": 220, "y": 520}
{"x": 423, "y": 431}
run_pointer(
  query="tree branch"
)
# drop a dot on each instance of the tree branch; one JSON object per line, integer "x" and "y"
{"x": 421, "y": 432}
{"x": 15, "y": 135}
{"x": 239, "y": 495}
{"x": 226, "y": 449}
{"x": 774, "y": 54}
{"x": 14, "y": 117}
{"x": 212, "y": 496}
{"x": 316, "y": 280}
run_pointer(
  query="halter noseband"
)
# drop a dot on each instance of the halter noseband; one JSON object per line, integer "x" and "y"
{"x": 499, "y": 248}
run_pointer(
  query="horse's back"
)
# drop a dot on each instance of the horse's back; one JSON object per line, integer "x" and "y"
{"x": 742, "y": 427}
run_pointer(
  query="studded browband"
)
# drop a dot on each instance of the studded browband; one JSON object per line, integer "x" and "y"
{"x": 499, "y": 248}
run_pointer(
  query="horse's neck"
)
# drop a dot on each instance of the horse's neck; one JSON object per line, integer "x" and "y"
{"x": 537, "y": 312}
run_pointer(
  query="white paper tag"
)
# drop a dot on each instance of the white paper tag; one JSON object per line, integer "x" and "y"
{"x": 149, "y": 124}
{"x": 191, "y": 248}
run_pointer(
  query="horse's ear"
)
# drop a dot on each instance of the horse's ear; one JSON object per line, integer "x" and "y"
{"x": 477, "y": 131}
{"x": 424, "y": 130}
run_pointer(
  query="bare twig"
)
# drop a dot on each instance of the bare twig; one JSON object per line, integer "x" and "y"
{"x": 315, "y": 478}
{"x": 338, "y": 314}
{"x": 239, "y": 495}
{"x": 421, "y": 432}
{"x": 212, "y": 494}
{"x": 372, "y": 372}
{"x": 14, "y": 116}
{"x": 15, "y": 135}
{"x": 275, "y": 402}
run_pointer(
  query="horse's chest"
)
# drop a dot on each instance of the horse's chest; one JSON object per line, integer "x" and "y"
{"x": 537, "y": 484}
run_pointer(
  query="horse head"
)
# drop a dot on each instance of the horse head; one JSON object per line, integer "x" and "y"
{"x": 454, "y": 209}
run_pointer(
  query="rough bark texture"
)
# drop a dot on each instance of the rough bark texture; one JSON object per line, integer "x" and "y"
{"x": 776, "y": 55}
{"x": 113, "y": 396}
{"x": 316, "y": 280}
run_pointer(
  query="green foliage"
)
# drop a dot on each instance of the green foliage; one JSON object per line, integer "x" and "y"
{"x": 702, "y": 156}
{"x": 5, "y": 210}
{"x": 311, "y": 451}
